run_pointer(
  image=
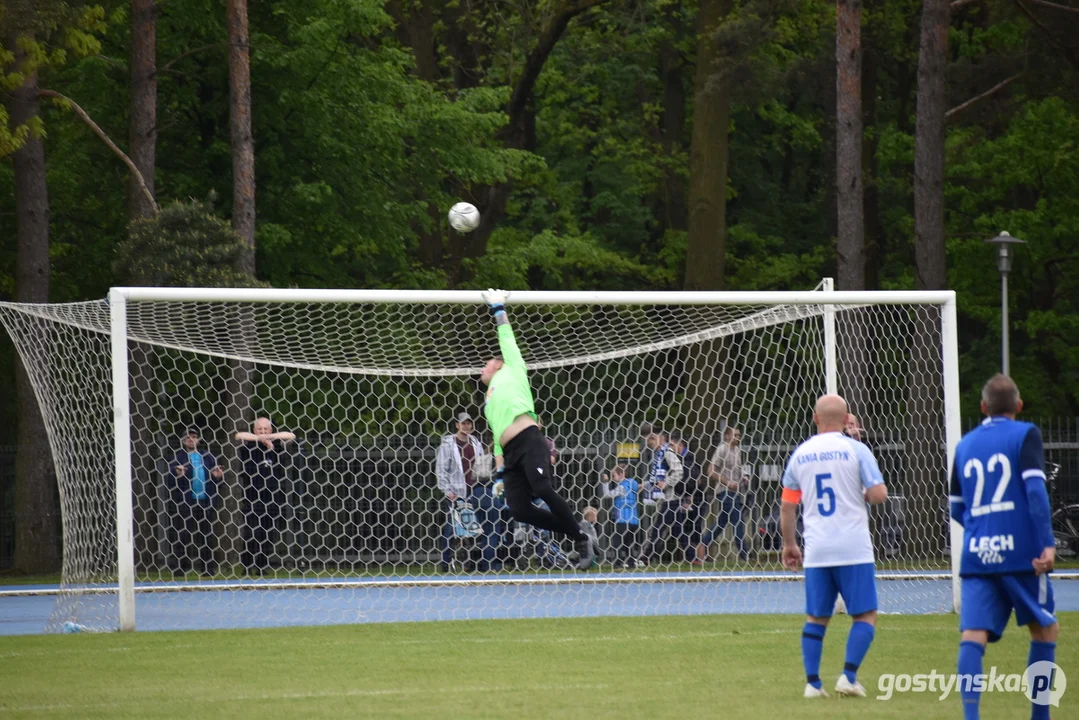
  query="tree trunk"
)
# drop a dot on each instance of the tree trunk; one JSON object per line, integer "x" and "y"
{"x": 239, "y": 389}
{"x": 850, "y": 246}
{"x": 708, "y": 154}
{"x": 37, "y": 508}
{"x": 416, "y": 28}
{"x": 243, "y": 143}
{"x": 705, "y": 402}
{"x": 851, "y": 324}
{"x": 870, "y": 165}
{"x": 930, "y": 262}
{"x": 925, "y": 410}
{"x": 143, "y": 153}
{"x": 143, "y": 141}
{"x": 672, "y": 70}
{"x": 240, "y": 385}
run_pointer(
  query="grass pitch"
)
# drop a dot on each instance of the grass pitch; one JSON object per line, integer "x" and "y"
{"x": 737, "y": 666}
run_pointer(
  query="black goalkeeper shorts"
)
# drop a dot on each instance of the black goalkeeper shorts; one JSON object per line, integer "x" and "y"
{"x": 527, "y": 470}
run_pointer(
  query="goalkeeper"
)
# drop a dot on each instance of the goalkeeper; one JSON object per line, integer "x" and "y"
{"x": 526, "y": 469}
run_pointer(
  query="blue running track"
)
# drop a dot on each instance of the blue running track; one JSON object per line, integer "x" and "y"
{"x": 251, "y": 604}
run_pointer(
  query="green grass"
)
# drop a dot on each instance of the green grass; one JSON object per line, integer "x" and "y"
{"x": 736, "y": 666}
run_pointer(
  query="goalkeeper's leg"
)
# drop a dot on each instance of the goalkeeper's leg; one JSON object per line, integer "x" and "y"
{"x": 519, "y": 494}
{"x": 527, "y": 475}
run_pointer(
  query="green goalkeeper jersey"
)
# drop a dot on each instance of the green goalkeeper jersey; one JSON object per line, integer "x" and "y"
{"x": 508, "y": 395}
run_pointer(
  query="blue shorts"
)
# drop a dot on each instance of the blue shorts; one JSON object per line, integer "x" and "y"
{"x": 988, "y": 600}
{"x": 856, "y": 583}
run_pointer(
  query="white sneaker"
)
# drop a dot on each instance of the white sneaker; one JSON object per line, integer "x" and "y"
{"x": 845, "y": 687}
{"x": 812, "y": 692}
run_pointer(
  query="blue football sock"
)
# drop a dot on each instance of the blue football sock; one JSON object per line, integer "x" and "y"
{"x": 812, "y": 647}
{"x": 1041, "y": 652}
{"x": 970, "y": 665}
{"x": 858, "y": 642}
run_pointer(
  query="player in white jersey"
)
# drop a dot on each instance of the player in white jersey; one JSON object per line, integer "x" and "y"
{"x": 832, "y": 476}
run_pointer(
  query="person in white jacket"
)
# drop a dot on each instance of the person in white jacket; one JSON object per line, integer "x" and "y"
{"x": 463, "y": 470}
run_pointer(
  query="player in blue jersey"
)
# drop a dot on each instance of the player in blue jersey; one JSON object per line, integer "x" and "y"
{"x": 998, "y": 496}
{"x": 833, "y": 476}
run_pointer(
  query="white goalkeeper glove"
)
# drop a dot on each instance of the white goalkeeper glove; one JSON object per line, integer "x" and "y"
{"x": 495, "y": 299}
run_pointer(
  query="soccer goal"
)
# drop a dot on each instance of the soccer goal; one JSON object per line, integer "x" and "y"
{"x": 335, "y": 509}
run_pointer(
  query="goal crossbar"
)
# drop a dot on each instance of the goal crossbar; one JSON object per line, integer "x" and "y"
{"x": 536, "y": 297}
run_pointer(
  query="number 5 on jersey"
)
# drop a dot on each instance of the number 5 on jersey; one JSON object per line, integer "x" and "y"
{"x": 825, "y": 493}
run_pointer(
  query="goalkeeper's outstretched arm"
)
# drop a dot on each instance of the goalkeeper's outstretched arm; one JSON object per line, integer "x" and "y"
{"x": 507, "y": 343}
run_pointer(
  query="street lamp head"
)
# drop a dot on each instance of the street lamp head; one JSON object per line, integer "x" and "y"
{"x": 1004, "y": 241}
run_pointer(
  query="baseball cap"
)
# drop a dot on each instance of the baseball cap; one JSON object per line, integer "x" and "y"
{"x": 193, "y": 431}
{"x": 463, "y": 417}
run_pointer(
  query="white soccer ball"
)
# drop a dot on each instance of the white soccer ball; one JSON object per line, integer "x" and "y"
{"x": 464, "y": 217}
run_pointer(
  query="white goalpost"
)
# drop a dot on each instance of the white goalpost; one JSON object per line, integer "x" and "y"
{"x": 174, "y": 518}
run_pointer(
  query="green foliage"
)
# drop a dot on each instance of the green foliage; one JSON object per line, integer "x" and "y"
{"x": 46, "y": 34}
{"x": 1025, "y": 181}
{"x": 356, "y": 151}
{"x": 549, "y": 261}
{"x": 185, "y": 245}
{"x": 357, "y": 158}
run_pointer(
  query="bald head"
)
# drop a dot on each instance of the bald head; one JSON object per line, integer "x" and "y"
{"x": 1000, "y": 396}
{"x": 830, "y": 413}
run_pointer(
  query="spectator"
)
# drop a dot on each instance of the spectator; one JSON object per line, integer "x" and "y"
{"x": 589, "y": 526}
{"x": 192, "y": 483}
{"x": 852, "y": 428}
{"x": 890, "y": 517}
{"x": 664, "y": 477}
{"x": 627, "y": 522}
{"x": 687, "y": 523}
{"x": 550, "y": 444}
{"x": 264, "y": 458}
{"x": 457, "y": 470}
{"x": 727, "y": 470}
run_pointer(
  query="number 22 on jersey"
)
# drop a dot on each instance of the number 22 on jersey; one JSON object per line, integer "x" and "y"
{"x": 975, "y": 469}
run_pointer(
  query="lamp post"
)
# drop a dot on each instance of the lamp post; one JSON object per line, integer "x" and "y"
{"x": 1004, "y": 243}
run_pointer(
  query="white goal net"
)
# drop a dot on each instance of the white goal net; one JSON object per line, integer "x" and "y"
{"x": 341, "y": 514}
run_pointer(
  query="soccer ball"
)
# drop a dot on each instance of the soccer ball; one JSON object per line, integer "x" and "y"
{"x": 464, "y": 217}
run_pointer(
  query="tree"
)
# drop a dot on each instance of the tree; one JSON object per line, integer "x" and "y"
{"x": 708, "y": 154}
{"x": 37, "y": 525}
{"x": 185, "y": 245}
{"x": 871, "y": 49}
{"x": 518, "y": 133}
{"x": 672, "y": 70}
{"x": 850, "y": 245}
{"x": 931, "y": 270}
{"x": 143, "y": 129}
{"x": 30, "y": 38}
{"x": 706, "y": 238}
{"x": 242, "y": 140}
{"x": 854, "y": 351}
{"x": 930, "y": 259}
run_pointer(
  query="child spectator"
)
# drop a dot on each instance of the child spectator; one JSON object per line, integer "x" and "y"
{"x": 627, "y": 521}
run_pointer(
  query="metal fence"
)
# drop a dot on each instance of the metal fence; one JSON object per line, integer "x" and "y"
{"x": 1061, "y": 439}
{"x": 373, "y": 512}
